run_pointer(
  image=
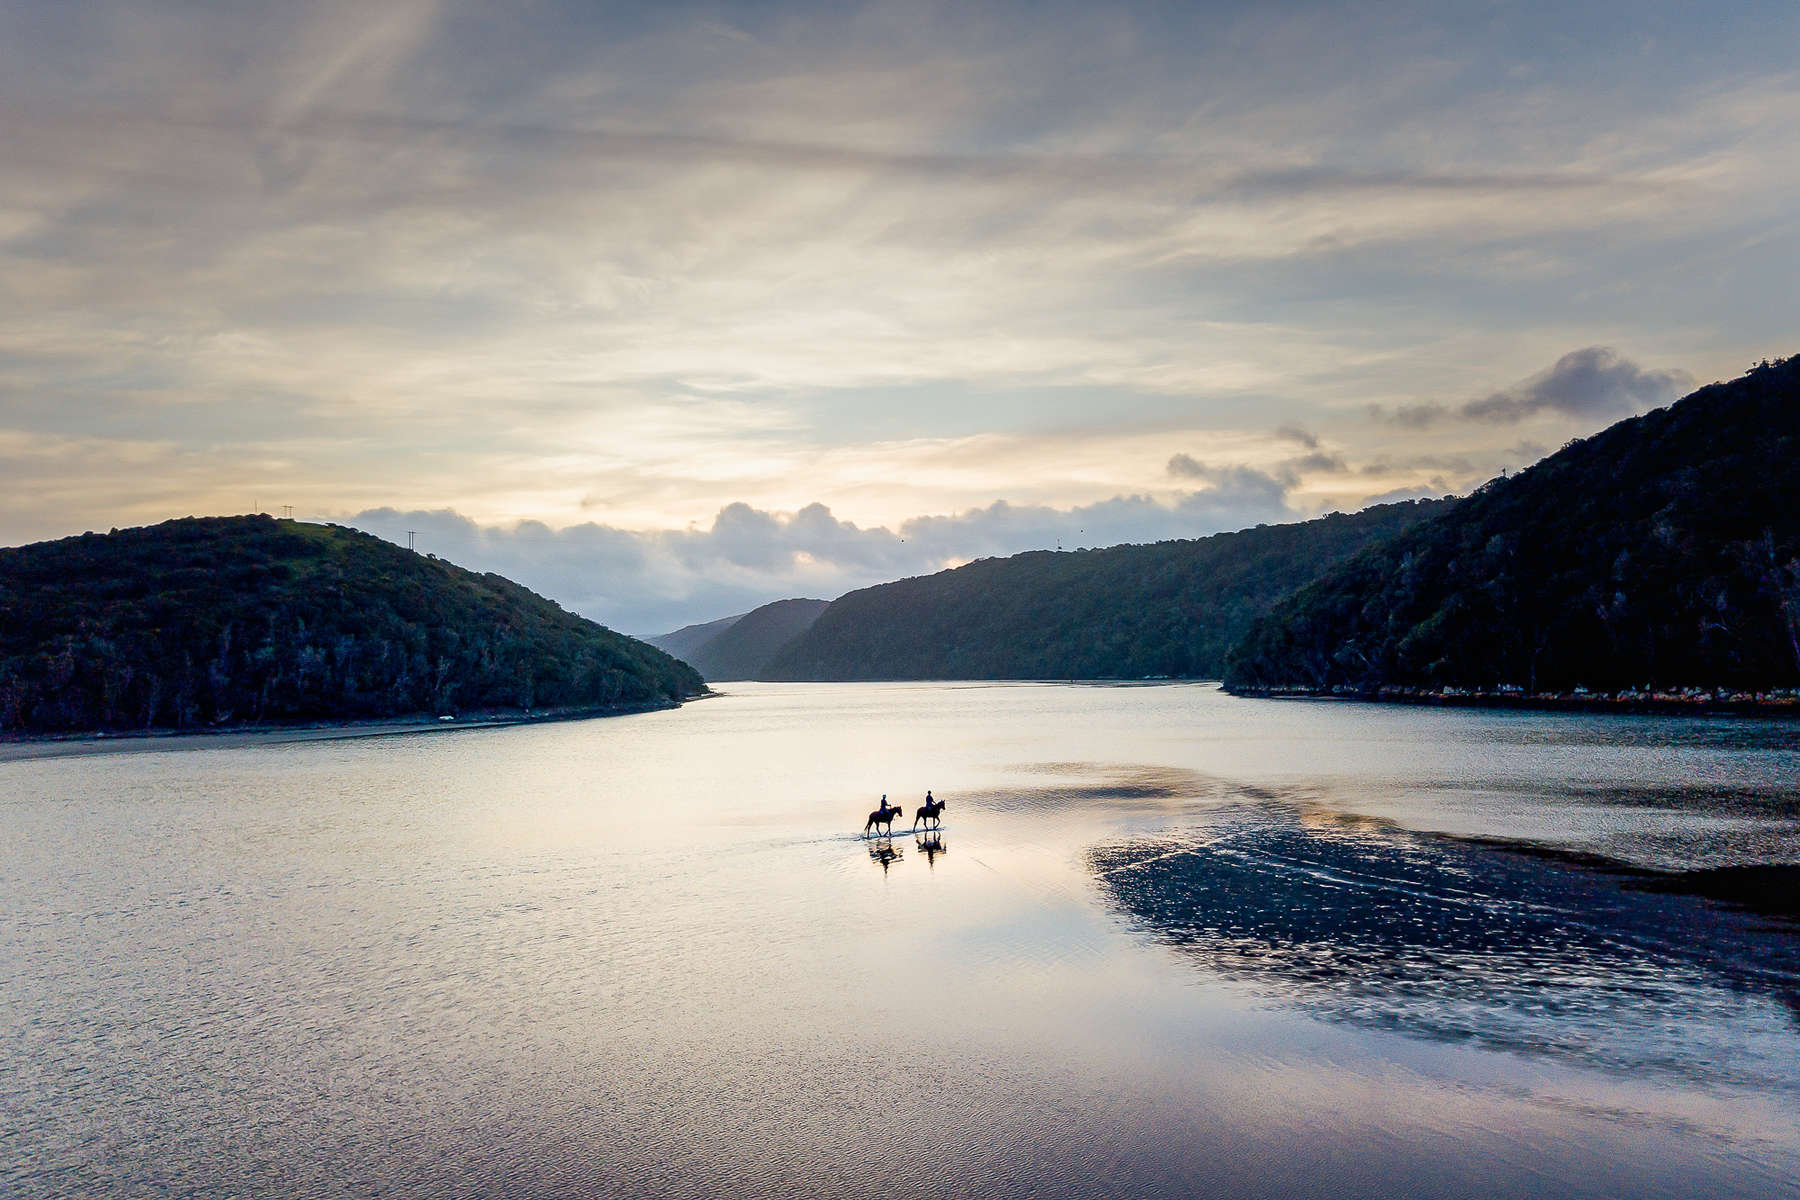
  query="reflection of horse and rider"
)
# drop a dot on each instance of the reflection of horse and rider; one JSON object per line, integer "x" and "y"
{"x": 881, "y": 821}
{"x": 883, "y": 817}
{"x": 929, "y": 842}
{"x": 883, "y": 851}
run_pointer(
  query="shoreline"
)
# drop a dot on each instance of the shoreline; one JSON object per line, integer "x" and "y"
{"x": 26, "y": 747}
{"x": 1690, "y": 702}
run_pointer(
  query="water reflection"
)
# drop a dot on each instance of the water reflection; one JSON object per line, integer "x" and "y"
{"x": 931, "y": 845}
{"x": 1458, "y": 941}
{"x": 639, "y": 957}
{"x": 883, "y": 851}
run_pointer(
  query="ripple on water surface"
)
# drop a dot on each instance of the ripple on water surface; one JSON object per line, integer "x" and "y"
{"x": 1155, "y": 951}
{"x": 1502, "y": 946}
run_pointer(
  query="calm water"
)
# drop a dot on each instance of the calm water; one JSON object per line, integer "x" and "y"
{"x": 1168, "y": 943}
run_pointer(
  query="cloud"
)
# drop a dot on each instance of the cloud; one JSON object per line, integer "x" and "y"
{"x": 1410, "y": 416}
{"x": 1321, "y": 462}
{"x": 1437, "y": 489}
{"x": 1294, "y": 433}
{"x": 1237, "y": 498}
{"x": 1285, "y": 474}
{"x": 1527, "y": 451}
{"x": 1592, "y": 382}
{"x": 1185, "y": 466}
{"x": 641, "y": 264}
{"x": 649, "y": 582}
{"x": 1454, "y": 463}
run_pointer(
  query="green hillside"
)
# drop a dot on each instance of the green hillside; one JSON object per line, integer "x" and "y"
{"x": 1662, "y": 553}
{"x": 1127, "y": 612}
{"x": 208, "y": 621}
{"x": 683, "y": 642}
{"x": 746, "y": 645}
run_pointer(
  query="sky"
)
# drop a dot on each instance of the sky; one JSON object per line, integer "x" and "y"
{"x": 670, "y": 310}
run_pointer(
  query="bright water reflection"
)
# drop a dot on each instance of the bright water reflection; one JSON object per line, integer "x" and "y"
{"x": 1166, "y": 943}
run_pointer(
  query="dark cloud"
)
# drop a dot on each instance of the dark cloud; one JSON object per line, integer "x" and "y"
{"x": 1314, "y": 179}
{"x": 1410, "y": 416}
{"x": 1321, "y": 462}
{"x": 1295, "y": 433}
{"x": 1591, "y": 382}
{"x": 283, "y": 154}
{"x": 1185, "y": 466}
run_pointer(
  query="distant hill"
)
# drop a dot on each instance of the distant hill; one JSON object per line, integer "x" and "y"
{"x": 689, "y": 638}
{"x": 1168, "y": 609}
{"x": 1663, "y": 552}
{"x": 206, "y": 621}
{"x": 746, "y": 644}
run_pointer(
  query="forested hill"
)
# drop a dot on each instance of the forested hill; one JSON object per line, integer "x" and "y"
{"x": 1167, "y": 609}
{"x": 746, "y": 644}
{"x": 683, "y": 642}
{"x": 1660, "y": 554}
{"x": 208, "y": 621}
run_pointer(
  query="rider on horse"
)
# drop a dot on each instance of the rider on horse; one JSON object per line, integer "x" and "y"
{"x": 929, "y": 813}
{"x": 883, "y": 816}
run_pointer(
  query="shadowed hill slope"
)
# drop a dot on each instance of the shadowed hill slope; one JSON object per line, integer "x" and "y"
{"x": 683, "y": 643}
{"x": 1127, "y": 612}
{"x": 744, "y": 649}
{"x": 205, "y": 621}
{"x": 1662, "y": 552}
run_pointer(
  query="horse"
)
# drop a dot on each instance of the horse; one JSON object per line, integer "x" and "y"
{"x": 883, "y": 817}
{"x": 928, "y": 812}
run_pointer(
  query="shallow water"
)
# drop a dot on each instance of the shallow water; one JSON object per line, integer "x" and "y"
{"x": 1168, "y": 943}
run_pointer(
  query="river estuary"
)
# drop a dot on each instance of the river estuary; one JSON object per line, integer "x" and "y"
{"x": 1167, "y": 943}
